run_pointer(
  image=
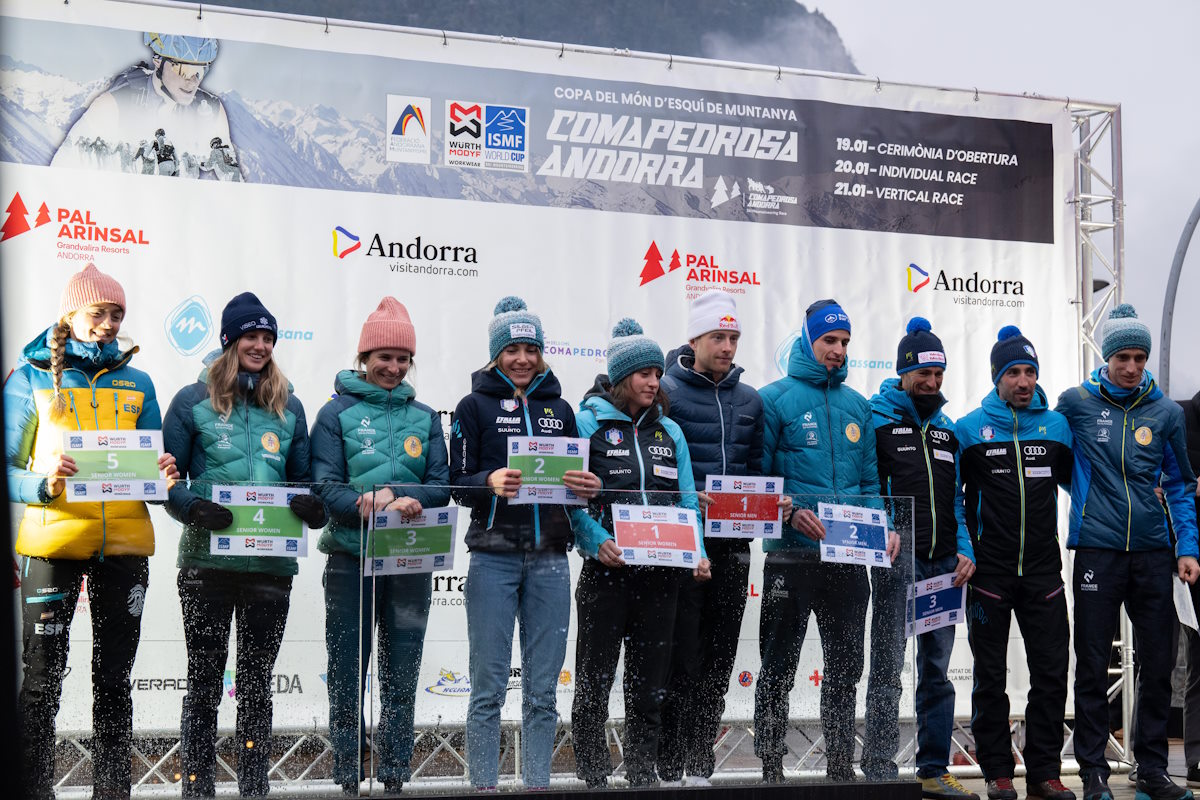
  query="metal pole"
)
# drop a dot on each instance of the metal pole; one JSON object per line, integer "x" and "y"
{"x": 1168, "y": 315}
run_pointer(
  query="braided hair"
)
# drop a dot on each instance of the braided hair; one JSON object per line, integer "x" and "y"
{"x": 58, "y": 356}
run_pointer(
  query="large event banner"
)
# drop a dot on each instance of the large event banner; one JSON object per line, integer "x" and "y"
{"x": 325, "y": 166}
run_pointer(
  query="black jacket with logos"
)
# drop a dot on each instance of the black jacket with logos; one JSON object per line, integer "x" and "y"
{"x": 483, "y": 421}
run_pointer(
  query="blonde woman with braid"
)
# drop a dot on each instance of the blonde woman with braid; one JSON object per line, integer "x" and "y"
{"x": 75, "y": 376}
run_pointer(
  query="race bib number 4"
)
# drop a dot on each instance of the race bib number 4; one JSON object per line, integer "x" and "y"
{"x": 263, "y": 525}
{"x": 663, "y": 536}
{"x": 400, "y": 545}
{"x": 114, "y": 465}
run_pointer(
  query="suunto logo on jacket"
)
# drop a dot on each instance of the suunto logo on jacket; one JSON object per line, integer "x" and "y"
{"x": 189, "y": 325}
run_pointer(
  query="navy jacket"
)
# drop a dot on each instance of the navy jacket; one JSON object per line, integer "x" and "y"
{"x": 722, "y": 422}
{"x": 918, "y": 458}
{"x": 479, "y": 435}
{"x": 1011, "y": 463}
{"x": 1126, "y": 442}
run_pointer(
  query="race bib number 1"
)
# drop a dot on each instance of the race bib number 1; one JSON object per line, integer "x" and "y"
{"x": 114, "y": 465}
{"x": 263, "y": 525}
{"x": 743, "y": 507}
{"x": 663, "y": 536}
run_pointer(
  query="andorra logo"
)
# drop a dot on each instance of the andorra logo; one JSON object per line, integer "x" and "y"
{"x": 408, "y": 115}
{"x": 917, "y": 278}
{"x": 344, "y": 242}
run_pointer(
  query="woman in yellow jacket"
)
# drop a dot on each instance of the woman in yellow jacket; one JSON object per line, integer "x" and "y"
{"x": 74, "y": 376}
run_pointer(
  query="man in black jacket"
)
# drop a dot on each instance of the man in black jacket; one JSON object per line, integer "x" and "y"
{"x": 722, "y": 422}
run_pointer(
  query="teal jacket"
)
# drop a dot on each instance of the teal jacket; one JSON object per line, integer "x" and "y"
{"x": 251, "y": 445}
{"x": 1126, "y": 443}
{"x": 367, "y": 437}
{"x": 818, "y": 435}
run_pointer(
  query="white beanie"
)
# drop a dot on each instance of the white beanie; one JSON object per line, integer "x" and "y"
{"x": 712, "y": 311}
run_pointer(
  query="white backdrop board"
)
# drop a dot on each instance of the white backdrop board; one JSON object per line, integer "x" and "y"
{"x": 450, "y": 173}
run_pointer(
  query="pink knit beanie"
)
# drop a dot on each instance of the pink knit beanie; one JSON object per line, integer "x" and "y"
{"x": 90, "y": 287}
{"x": 388, "y": 326}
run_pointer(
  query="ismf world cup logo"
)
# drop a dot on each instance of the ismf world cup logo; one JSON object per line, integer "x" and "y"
{"x": 344, "y": 242}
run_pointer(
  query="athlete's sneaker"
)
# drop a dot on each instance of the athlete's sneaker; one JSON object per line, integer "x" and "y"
{"x": 1193, "y": 777}
{"x": 773, "y": 769}
{"x": 1160, "y": 787}
{"x": 1095, "y": 787}
{"x": 1052, "y": 789}
{"x": 945, "y": 785}
{"x": 1001, "y": 789}
{"x": 696, "y": 780}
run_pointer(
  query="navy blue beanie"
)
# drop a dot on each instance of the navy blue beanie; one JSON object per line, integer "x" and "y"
{"x": 919, "y": 348}
{"x": 824, "y": 316}
{"x": 1011, "y": 348}
{"x": 245, "y": 313}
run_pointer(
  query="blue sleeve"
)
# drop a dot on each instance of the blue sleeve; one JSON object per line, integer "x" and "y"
{"x": 464, "y": 455}
{"x": 589, "y": 533}
{"x": 329, "y": 466}
{"x": 20, "y": 430}
{"x": 1179, "y": 486}
{"x": 869, "y": 480}
{"x": 179, "y": 436}
{"x": 435, "y": 488}
{"x": 963, "y": 537}
{"x": 771, "y": 425}
{"x": 150, "y": 418}
{"x": 755, "y": 466}
{"x": 687, "y": 481}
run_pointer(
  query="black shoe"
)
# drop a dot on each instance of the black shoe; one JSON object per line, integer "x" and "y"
{"x": 1001, "y": 789}
{"x": 1095, "y": 787}
{"x": 1052, "y": 789}
{"x": 1160, "y": 787}
{"x": 393, "y": 787}
{"x": 597, "y": 783}
{"x": 773, "y": 770}
{"x": 1193, "y": 777}
{"x": 841, "y": 774}
{"x": 350, "y": 789}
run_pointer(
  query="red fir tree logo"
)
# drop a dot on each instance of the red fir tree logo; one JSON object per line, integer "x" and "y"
{"x": 16, "y": 223}
{"x": 653, "y": 268}
{"x": 43, "y": 216}
{"x": 674, "y": 265}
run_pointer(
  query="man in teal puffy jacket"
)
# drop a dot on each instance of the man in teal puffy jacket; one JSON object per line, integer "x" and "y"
{"x": 817, "y": 435}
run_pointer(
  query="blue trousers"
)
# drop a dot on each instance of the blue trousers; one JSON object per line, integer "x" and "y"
{"x": 398, "y": 605}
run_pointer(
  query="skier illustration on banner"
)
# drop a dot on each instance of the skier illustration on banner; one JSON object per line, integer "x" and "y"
{"x": 122, "y": 127}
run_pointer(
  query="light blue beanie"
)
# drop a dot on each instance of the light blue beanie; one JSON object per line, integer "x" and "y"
{"x": 513, "y": 323}
{"x": 1123, "y": 330}
{"x": 631, "y": 350}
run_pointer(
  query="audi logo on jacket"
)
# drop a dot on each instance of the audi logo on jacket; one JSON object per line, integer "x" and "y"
{"x": 1011, "y": 463}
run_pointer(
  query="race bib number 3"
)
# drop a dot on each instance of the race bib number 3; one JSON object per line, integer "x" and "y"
{"x": 263, "y": 525}
{"x": 400, "y": 545}
{"x": 114, "y": 465}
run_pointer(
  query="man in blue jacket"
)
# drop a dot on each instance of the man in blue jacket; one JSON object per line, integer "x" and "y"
{"x": 722, "y": 420}
{"x": 1128, "y": 438}
{"x": 917, "y": 451}
{"x": 1013, "y": 453}
{"x": 817, "y": 435}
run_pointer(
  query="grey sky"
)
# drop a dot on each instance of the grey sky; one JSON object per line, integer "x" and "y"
{"x": 1144, "y": 56}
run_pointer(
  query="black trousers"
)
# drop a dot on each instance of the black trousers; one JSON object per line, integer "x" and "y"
{"x": 838, "y": 594}
{"x": 211, "y": 598}
{"x": 116, "y": 595}
{"x": 634, "y": 607}
{"x": 1104, "y": 579}
{"x": 1040, "y": 605}
{"x": 708, "y": 624}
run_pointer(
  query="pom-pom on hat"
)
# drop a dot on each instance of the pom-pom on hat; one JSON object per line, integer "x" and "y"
{"x": 513, "y": 323}
{"x": 245, "y": 313}
{"x": 631, "y": 350}
{"x": 90, "y": 287}
{"x": 824, "y": 316}
{"x": 712, "y": 311}
{"x": 919, "y": 347}
{"x": 388, "y": 326}
{"x": 1011, "y": 348}
{"x": 1123, "y": 330}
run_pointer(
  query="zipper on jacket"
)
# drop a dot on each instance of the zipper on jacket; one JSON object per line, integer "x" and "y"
{"x": 832, "y": 440}
{"x": 1125, "y": 480}
{"x": 391, "y": 444}
{"x": 1021, "y": 485}
{"x": 929, "y": 473}
{"x": 96, "y": 416}
{"x": 721, "y": 416}
{"x": 537, "y": 520}
{"x": 637, "y": 448}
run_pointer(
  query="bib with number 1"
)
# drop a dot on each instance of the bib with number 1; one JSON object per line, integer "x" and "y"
{"x": 263, "y": 525}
